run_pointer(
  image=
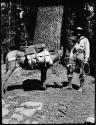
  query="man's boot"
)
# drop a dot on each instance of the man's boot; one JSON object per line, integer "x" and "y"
{"x": 81, "y": 85}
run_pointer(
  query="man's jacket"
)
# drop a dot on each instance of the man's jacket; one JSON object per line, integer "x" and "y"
{"x": 81, "y": 50}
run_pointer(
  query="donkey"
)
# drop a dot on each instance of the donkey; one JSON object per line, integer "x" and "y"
{"x": 42, "y": 60}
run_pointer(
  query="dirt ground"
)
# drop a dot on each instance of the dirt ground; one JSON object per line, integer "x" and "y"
{"x": 59, "y": 104}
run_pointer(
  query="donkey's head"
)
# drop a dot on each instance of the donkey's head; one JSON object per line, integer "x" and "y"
{"x": 60, "y": 52}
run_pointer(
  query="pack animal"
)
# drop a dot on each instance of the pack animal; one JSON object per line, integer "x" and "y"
{"x": 42, "y": 60}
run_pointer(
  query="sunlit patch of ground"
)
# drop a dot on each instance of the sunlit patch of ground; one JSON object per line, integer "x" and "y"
{"x": 58, "y": 104}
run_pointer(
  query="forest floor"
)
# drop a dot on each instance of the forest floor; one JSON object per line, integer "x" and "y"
{"x": 27, "y": 103}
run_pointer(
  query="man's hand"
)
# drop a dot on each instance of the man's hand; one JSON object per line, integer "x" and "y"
{"x": 69, "y": 65}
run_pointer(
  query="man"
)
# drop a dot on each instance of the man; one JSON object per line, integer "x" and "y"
{"x": 78, "y": 58}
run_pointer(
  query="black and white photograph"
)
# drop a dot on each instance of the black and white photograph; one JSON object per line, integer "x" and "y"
{"x": 48, "y": 61}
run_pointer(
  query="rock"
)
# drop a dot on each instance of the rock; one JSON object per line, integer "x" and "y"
{"x": 18, "y": 117}
{"x": 90, "y": 120}
{"x": 36, "y": 105}
{"x": 13, "y": 121}
{"x": 30, "y": 103}
{"x": 19, "y": 109}
{"x": 28, "y": 112}
{"x": 34, "y": 122}
{"x": 5, "y": 121}
{"x": 5, "y": 112}
{"x": 3, "y": 102}
{"x": 39, "y": 108}
{"x": 27, "y": 122}
{"x": 7, "y": 105}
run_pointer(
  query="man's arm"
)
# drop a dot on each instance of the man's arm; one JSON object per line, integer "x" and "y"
{"x": 87, "y": 50}
{"x": 71, "y": 56}
{"x": 73, "y": 50}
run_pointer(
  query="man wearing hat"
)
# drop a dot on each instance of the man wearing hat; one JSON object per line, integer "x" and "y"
{"x": 78, "y": 58}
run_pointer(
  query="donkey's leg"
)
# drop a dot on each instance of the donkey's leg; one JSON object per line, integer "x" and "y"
{"x": 4, "y": 86}
{"x": 9, "y": 72}
{"x": 69, "y": 76}
{"x": 7, "y": 64}
{"x": 43, "y": 75}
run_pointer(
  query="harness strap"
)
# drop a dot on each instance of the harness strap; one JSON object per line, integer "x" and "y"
{"x": 36, "y": 56}
{"x": 44, "y": 58}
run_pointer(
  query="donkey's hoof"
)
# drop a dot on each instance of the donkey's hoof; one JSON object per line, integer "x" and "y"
{"x": 80, "y": 90}
{"x": 69, "y": 86}
{"x": 4, "y": 91}
{"x": 44, "y": 87}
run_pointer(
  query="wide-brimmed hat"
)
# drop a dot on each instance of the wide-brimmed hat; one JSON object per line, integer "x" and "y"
{"x": 79, "y": 30}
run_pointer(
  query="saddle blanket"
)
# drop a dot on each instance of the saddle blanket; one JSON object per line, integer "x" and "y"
{"x": 41, "y": 57}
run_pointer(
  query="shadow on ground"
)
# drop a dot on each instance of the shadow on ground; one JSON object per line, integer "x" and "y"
{"x": 34, "y": 84}
{"x": 28, "y": 85}
{"x": 76, "y": 87}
